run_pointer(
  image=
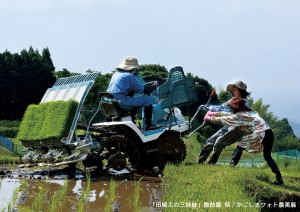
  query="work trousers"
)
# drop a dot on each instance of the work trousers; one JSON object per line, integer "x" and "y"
{"x": 209, "y": 144}
{"x": 267, "y": 149}
{"x": 233, "y": 135}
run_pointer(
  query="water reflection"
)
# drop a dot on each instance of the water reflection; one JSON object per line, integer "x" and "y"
{"x": 95, "y": 200}
{"x": 7, "y": 188}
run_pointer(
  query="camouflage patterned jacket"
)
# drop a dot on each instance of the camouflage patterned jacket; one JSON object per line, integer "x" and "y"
{"x": 249, "y": 122}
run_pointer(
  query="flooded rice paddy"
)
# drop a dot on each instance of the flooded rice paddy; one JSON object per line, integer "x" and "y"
{"x": 61, "y": 190}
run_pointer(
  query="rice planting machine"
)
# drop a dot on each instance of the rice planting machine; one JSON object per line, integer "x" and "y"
{"x": 57, "y": 131}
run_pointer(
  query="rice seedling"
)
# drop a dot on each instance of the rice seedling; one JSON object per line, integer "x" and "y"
{"x": 41, "y": 196}
{"x": 111, "y": 196}
{"x": 9, "y": 206}
{"x": 84, "y": 195}
{"x": 23, "y": 191}
{"x": 26, "y": 209}
{"x": 80, "y": 206}
{"x": 57, "y": 198}
{"x": 47, "y": 121}
{"x": 38, "y": 201}
{"x": 15, "y": 196}
{"x": 136, "y": 196}
{"x": 207, "y": 187}
{"x": 23, "y": 186}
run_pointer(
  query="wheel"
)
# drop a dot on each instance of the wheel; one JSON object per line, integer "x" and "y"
{"x": 93, "y": 160}
{"x": 71, "y": 167}
{"x": 117, "y": 161}
{"x": 130, "y": 146}
{"x": 171, "y": 149}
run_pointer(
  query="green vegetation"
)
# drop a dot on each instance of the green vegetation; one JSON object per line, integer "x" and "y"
{"x": 13, "y": 203}
{"x": 64, "y": 73}
{"x": 136, "y": 196}
{"x": 111, "y": 196}
{"x": 283, "y": 132}
{"x": 193, "y": 148}
{"x": 84, "y": 197}
{"x": 41, "y": 196}
{"x": 25, "y": 77}
{"x": 9, "y": 129}
{"x": 23, "y": 191}
{"x": 58, "y": 198}
{"x": 48, "y": 121}
{"x": 206, "y": 187}
{"x": 6, "y": 157}
{"x": 34, "y": 73}
{"x": 204, "y": 184}
{"x": 224, "y": 185}
{"x": 154, "y": 72}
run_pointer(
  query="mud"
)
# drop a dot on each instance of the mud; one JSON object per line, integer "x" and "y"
{"x": 11, "y": 180}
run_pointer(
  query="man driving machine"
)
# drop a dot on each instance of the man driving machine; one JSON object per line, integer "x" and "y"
{"x": 123, "y": 85}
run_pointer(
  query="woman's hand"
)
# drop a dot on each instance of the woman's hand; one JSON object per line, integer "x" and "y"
{"x": 209, "y": 115}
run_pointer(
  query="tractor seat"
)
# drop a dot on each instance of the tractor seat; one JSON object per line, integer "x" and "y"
{"x": 113, "y": 108}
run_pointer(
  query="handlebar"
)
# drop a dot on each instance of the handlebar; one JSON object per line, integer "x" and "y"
{"x": 201, "y": 107}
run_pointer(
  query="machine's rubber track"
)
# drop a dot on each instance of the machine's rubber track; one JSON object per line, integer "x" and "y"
{"x": 93, "y": 160}
{"x": 131, "y": 146}
{"x": 171, "y": 149}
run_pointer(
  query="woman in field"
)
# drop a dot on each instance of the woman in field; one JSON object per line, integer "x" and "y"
{"x": 258, "y": 134}
{"x": 228, "y": 134}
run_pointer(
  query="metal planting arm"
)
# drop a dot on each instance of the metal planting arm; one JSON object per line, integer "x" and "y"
{"x": 201, "y": 107}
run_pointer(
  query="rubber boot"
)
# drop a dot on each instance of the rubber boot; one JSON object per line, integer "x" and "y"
{"x": 214, "y": 158}
{"x": 278, "y": 180}
{"x": 236, "y": 156}
{"x": 148, "y": 118}
{"x": 273, "y": 165}
{"x": 203, "y": 155}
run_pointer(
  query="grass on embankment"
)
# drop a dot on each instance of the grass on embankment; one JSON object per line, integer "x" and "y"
{"x": 6, "y": 157}
{"x": 225, "y": 185}
{"x": 235, "y": 189}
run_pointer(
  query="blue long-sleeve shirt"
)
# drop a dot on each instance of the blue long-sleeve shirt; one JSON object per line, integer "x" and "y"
{"x": 122, "y": 82}
{"x": 225, "y": 107}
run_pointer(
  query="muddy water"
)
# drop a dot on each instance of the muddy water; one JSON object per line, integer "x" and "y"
{"x": 25, "y": 198}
